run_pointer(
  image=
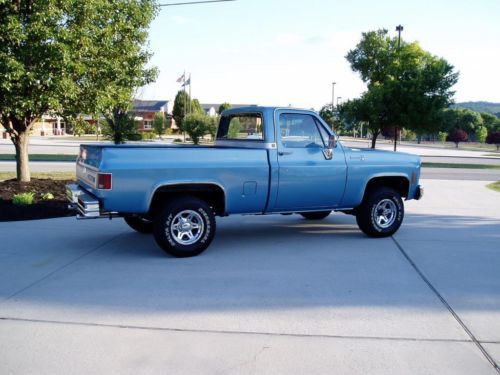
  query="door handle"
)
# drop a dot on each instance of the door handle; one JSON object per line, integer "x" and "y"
{"x": 281, "y": 153}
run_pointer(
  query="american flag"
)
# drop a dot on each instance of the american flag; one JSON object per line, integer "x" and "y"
{"x": 181, "y": 78}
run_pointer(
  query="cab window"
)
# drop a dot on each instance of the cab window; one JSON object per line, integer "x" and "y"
{"x": 299, "y": 131}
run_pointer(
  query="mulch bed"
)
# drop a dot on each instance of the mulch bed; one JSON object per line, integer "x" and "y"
{"x": 40, "y": 209}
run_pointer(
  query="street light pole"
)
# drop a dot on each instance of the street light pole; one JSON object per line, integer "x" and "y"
{"x": 333, "y": 95}
{"x": 399, "y": 28}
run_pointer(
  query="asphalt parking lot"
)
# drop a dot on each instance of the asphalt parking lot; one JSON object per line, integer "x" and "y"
{"x": 272, "y": 295}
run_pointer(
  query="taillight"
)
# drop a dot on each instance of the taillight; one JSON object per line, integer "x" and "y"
{"x": 104, "y": 181}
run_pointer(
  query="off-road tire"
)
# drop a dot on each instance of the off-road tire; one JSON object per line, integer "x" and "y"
{"x": 188, "y": 241}
{"x": 370, "y": 214}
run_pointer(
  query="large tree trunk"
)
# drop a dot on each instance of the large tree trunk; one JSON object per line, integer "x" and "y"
{"x": 374, "y": 138}
{"x": 22, "y": 160}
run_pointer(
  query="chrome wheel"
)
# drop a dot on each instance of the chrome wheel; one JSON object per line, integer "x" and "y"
{"x": 187, "y": 227}
{"x": 385, "y": 213}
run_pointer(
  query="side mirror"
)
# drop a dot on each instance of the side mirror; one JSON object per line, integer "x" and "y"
{"x": 332, "y": 142}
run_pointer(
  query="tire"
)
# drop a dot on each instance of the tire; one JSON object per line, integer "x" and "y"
{"x": 199, "y": 231}
{"x": 139, "y": 224}
{"x": 381, "y": 213}
{"x": 318, "y": 215}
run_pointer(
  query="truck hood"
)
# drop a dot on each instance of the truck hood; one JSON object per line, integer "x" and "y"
{"x": 372, "y": 156}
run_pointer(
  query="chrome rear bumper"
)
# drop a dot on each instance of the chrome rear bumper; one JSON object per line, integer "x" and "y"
{"x": 86, "y": 205}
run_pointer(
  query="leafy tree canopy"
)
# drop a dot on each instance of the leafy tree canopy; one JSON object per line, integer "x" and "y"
{"x": 407, "y": 85}
{"x": 181, "y": 109}
{"x": 69, "y": 57}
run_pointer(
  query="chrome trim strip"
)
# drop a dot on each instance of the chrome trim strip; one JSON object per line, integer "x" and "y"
{"x": 246, "y": 144}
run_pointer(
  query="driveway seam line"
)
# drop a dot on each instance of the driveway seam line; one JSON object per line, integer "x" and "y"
{"x": 488, "y": 357}
{"x": 226, "y": 332}
{"x": 60, "y": 269}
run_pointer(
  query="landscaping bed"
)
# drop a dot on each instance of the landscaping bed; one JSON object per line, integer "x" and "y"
{"x": 56, "y": 206}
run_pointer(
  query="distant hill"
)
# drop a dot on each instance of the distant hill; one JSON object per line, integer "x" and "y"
{"x": 493, "y": 108}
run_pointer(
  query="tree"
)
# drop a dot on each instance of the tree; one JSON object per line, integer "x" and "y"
{"x": 197, "y": 125}
{"x": 481, "y": 134}
{"x": 120, "y": 126}
{"x": 180, "y": 109}
{"x": 223, "y": 107}
{"x": 494, "y": 139}
{"x": 69, "y": 57}
{"x": 159, "y": 124}
{"x": 491, "y": 122}
{"x": 80, "y": 126}
{"x": 442, "y": 136}
{"x": 457, "y": 136}
{"x": 196, "y": 107}
{"x": 331, "y": 118}
{"x": 459, "y": 118}
{"x": 409, "y": 85}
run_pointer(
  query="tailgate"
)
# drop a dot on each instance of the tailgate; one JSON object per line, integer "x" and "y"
{"x": 87, "y": 164}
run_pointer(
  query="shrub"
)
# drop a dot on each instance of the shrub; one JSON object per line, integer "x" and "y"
{"x": 408, "y": 135}
{"x": 23, "y": 199}
{"x": 494, "y": 139}
{"x": 159, "y": 124}
{"x": 197, "y": 125}
{"x": 47, "y": 196}
{"x": 177, "y": 140}
{"x": 457, "y": 136}
{"x": 147, "y": 136}
{"x": 442, "y": 136}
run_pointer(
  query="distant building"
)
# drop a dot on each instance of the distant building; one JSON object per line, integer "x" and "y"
{"x": 145, "y": 111}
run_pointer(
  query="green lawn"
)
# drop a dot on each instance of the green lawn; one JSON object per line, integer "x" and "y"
{"x": 461, "y": 165}
{"x": 46, "y": 175}
{"x": 41, "y": 157}
{"x": 494, "y": 186}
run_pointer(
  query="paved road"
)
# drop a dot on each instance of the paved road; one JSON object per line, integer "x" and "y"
{"x": 272, "y": 295}
{"x": 461, "y": 174}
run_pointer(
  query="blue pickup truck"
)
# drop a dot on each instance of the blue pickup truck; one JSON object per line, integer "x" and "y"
{"x": 265, "y": 160}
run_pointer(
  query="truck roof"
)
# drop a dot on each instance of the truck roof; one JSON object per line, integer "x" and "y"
{"x": 256, "y": 108}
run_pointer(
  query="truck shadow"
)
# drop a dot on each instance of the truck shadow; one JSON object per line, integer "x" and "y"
{"x": 267, "y": 263}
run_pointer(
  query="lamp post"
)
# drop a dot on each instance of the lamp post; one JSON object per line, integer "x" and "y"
{"x": 399, "y": 28}
{"x": 333, "y": 95}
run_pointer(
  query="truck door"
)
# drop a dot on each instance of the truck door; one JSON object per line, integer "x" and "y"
{"x": 307, "y": 178}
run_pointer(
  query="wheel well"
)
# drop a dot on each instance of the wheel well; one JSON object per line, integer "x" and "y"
{"x": 399, "y": 183}
{"x": 212, "y": 194}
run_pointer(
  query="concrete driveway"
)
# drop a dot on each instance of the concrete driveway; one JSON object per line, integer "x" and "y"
{"x": 272, "y": 295}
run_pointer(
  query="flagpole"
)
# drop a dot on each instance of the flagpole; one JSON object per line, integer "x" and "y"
{"x": 190, "y": 99}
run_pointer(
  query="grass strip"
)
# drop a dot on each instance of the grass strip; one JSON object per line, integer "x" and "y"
{"x": 41, "y": 157}
{"x": 494, "y": 186}
{"x": 460, "y": 166}
{"x": 44, "y": 175}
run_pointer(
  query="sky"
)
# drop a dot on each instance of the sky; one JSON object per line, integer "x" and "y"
{"x": 285, "y": 53}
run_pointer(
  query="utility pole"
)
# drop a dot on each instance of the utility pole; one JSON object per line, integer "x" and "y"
{"x": 399, "y": 28}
